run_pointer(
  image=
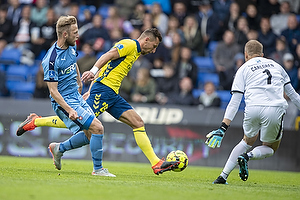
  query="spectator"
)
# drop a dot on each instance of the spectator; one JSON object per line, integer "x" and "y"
{"x": 241, "y": 31}
{"x": 157, "y": 70}
{"x": 253, "y": 17}
{"x": 184, "y": 96}
{"x": 239, "y": 60}
{"x": 125, "y": 7}
{"x": 14, "y": 11}
{"x": 62, "y": 7}
{"x": 209, "y": 97}
{"x": 208, "y": 21}
{"x": 41, "y": 89}
{"x": 5, "y": 28}
{"x": 46, "y": 34}
{"x": 186, "y": 67}
{"x": 86, "y": 19}
{"x": 73, "y": 10}
{"x": 267, "y": 8}
{"x": 297, "y": 57}
{"x": 252, "y": 35}
{"x": 180, "y": 12}
{"x": 167, "y": 84}
{"x": 113, "y": 21}
{"x": 147, "y": 22}
{"x": 22, "y": 36}
{"x": 243, "y": 4}
{"x": 137, "y": 17}
{"x": 88, "y": 59}
{"x": 292, "y": 33}
{"x": 295, "y": 5}
{"x": 97, "y": 35}
{"x": 281, "y": 49}
{"x": 39, "y": 12}
{"x": 141, "y": 62}
{"x": 173, "y": 28}
{"x": 177, "y": 42}
{"x": 267, "y": 37}
{"x": 221, "y": 7}
{"x": 291, "y": 69}
{"x": 230, "y": 22}
{"x": 223, "y": 57}
{"x": 192, "y": 36}
{"x": 279, "y": 21}
{"x": 160, "y": 19}
{"x": 145, "y": 88}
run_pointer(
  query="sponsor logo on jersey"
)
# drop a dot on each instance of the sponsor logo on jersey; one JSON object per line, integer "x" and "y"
{"x": 69, "y": 69}
{"x": 51, "y": 74}
{"x": 120, "y": 46}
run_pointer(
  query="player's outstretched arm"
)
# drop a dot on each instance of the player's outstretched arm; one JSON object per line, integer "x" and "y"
{"x": 292, "y": 94}
{"x": 214, "y": 138}
{"x": 105, "y": 58}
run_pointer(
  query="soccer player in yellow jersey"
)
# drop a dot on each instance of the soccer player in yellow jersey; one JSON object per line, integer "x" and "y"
{"x": 103, "y": 95}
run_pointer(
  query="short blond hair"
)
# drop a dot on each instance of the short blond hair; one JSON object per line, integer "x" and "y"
{"x": 64, "y": 23}
{"x": 254, "y": 47}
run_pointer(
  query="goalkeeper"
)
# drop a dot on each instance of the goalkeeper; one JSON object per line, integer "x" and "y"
{"x": 263, "y": 83}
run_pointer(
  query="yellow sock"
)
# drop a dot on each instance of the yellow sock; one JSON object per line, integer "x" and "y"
{"x": 143, "y": 142}
{"x": 52, "y": 121}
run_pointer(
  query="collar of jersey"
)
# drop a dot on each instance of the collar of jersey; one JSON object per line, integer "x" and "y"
{"x": 58, "y": 48}
{"x": 138, "y": 46}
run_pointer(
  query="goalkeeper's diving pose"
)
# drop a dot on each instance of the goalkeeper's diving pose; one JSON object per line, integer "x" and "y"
{"x": 103, "y": 95}
{"x": 263, "y": 83}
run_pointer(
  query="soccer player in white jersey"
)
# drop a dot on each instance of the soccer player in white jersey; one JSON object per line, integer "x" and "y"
{"x": 263, "y": 83}
{"x": 62, "y": 74}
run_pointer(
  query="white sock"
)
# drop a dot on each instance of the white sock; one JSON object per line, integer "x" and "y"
{"x": 260, "y": 152}
{"x": 239, "y": 149}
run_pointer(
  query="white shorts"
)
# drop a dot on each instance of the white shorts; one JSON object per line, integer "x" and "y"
{"x": 267, "y": 120}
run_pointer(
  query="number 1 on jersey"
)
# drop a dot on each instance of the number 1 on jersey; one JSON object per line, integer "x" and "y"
{"x": 269, "y": 76}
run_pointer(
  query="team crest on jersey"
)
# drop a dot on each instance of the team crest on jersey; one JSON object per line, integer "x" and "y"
{"x": 120, "y": 46}
{"x": 73, "y": 52}
{"x": 51, "y": 74}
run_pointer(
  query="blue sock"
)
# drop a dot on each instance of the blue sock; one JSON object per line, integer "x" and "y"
{"x": 96, "y": 150}
{"x": 74, "y": 142}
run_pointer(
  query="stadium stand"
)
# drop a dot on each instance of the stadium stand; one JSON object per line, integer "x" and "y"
{"x": 10, "y": 56}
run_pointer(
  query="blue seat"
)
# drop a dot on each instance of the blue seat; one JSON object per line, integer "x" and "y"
{"x": 204, "y": 77}
{"x": 211, "y": 47}
{"x": 17, "y": 73}
{"x": 225, "y": 97}
{"x": 21, "y": 90}
{"x": 103, "y": 11}
{"x": 82, "y": 8}
{"x": 204, "y": 64}
{"x": 10, "y": 56}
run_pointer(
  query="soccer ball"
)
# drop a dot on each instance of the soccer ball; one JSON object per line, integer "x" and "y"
{"x": 178, "y": 155}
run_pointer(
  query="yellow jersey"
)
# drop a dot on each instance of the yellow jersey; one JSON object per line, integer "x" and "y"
{"x": 114, "y": 71}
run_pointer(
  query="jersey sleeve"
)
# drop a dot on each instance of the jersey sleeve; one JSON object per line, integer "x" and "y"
{"x": 50, "y": 68}
{"x": 238, "y": 84}
{"x": 125, "y": 47}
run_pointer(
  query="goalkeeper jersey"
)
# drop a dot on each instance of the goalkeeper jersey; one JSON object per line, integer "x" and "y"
{"x": 262, "y": 81}
{"x": 113, "y": 72}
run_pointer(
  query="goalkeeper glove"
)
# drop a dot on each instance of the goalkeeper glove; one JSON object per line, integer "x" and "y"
{"x": 214, "y": 138}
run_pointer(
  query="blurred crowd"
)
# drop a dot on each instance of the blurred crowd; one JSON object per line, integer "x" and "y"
{"x": 189, "y": 28}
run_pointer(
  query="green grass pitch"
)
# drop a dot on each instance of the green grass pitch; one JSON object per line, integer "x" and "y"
{"x": 37, "y": 179}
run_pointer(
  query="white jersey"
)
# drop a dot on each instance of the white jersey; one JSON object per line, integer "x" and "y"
{"x": 262, "y": 81}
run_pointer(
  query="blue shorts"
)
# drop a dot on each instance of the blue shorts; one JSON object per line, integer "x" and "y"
{"x": 103, "y": 98}
{"x": 83, "y": 110}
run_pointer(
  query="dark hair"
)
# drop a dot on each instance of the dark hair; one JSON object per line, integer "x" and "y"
{"x": 153, "y": 32}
